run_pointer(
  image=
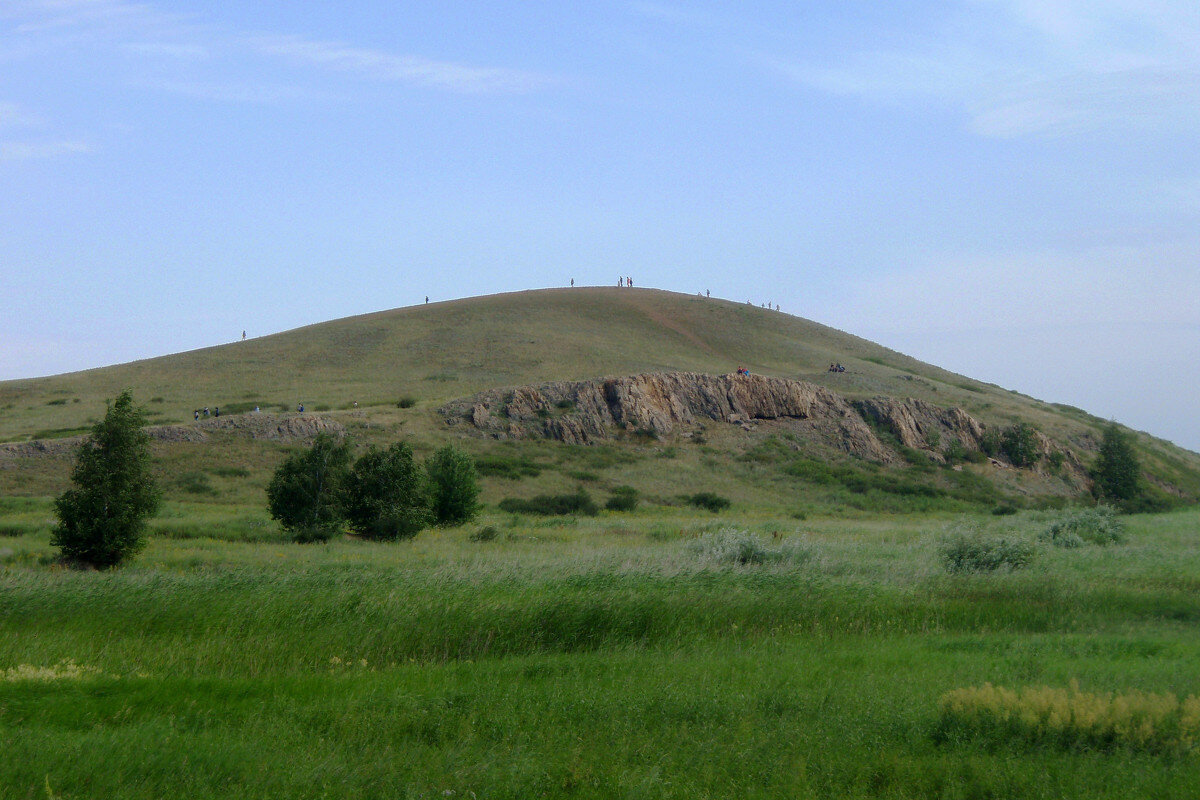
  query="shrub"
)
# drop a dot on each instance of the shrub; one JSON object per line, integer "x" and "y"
{"x": 1099, "y": 525}
{"x": 624, "y": 498}
{"x": 967, "y": 551}
{"x": 955, "y": 452}
{"x": 511, "y": 467}
{"x": 453, "y": 486}
{"x": 709, "y": 501}
{"x": 406, "y": 402}
{"x": 385, "y": 495}
{"x": 989, "y": 443}
{"x": 102, "y": 520}
{"x": 1004, "y": 510}
{"x": 304, "y": 494}
{"x": 1019, "y": 443}
{"x": 578, "y": 502}
{"x": 484, "y": 534}
{"x": 740, "y": 547}
{"x": 194, "y": 483}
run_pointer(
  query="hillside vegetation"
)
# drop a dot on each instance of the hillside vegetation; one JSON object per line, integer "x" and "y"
{"x": 383, "y": 376}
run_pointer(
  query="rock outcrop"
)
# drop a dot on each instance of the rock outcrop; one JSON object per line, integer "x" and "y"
{"x": 255, "y": 426}
{"x": 579, "y": 412}
{"x": 922, "y": 425}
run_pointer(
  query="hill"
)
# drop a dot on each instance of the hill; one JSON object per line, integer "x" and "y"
{"x": 358, "y": 369}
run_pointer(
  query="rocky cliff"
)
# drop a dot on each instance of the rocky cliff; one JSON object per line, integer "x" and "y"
{"x": 664, "y": 404}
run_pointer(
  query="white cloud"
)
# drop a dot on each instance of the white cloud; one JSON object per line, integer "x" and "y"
{"x": 384, "y": 66}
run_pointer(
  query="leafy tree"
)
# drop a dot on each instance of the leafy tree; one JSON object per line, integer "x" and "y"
{"x": 102, "y": 520}
{"x": 1117, "y": 475}
{"x": 1019, "y": 443}
{"x": 385, "y": 496}
{"x": 305, "y": 492}
{"x": 453, "y": 486}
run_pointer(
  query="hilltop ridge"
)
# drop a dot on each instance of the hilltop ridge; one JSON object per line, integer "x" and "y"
{"x": 358, "y": 369}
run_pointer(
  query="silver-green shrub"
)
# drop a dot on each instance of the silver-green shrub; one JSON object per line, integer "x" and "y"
{"x": 1099, "y": 525}
{"x": 740, "y": 547}
{"x": 964, "y": 550}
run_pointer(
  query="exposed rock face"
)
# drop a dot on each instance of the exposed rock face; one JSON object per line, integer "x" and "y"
{"x": 922, "y": 425}
{"x": 663, "y": 403}
{"x": 255, "y": 426}
{"x": 271, "y": 426}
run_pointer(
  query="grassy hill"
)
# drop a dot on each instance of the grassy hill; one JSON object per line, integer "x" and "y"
{"x": 433, "y": 353}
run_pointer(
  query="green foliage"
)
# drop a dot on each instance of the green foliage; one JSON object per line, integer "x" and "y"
{"x": 485, "y": 534}
{"x": 102, "y": 520}
{"x": 1099, "y": 525}
{"x": 1019, "y": 443}
{"x": 194, "y": 483}
{"x": 966, "y": 550}
{"x": 624, "y": 498}
{"x": 512, "y": 467}
{"x": 577, "y": 502}
{"x": 709, "y": 501}
{"x": 740, "y": 547}
{"x": 305, "y": 493}
{"x": 453, "y": 486}
{"x": 385, "y": 496}
{"x": 1117, "y": 475}
{"x": 406, "y": 402}
{"x": 990, "y": 442}
{"x": 955, "y": 452}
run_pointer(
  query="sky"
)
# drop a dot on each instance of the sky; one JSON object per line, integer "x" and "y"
{"x": 1006, "y": 188}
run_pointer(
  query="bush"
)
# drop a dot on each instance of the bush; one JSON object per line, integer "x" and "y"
{"x": 102, "y": 520}
{"x": 966, "y": 551}
{"x": 1117, "y": 476}
{"x": 1019, "y": 443}
{"x": 624, "y": 498}
{"x": 385, "y": 495}
{"x": 549, "y": 505}
{"x": 304, "y": 494}
{"x": 406, "y": 402}
{"x": 1099, "y": 525}
{"x": 732, "y": 546}
{"x": 453, "y": 486}
{"x": 709, "y": 501}
{"x": 484, "y": 534}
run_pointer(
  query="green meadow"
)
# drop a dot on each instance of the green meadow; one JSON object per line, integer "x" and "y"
{"x": 585, "y": 657}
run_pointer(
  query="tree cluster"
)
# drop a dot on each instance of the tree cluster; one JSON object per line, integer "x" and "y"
{"x": 384, "y": 494}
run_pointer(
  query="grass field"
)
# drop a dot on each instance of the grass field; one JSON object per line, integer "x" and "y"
{"x": 591, "y": 657}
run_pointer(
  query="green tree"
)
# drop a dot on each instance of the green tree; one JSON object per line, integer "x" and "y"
{"x": 305, "y": 492}
{"x": 453, "y": 486}
{"x": 1117, "y": 475}
{"x": 1019, "y": 443}
{"x": 385, "y": 497}
{"x": 102, "y": 520}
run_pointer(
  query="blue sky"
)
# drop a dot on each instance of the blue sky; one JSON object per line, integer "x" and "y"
{"x": 1007, "y": 188}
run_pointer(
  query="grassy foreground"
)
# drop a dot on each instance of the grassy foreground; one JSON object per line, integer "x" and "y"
{"x": 582, "y": 658}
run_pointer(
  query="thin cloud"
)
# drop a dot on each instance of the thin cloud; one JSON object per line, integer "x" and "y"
{"x": 14, "y": 116}
{"x": 383, "y": 66}
{"x": 1045, "y": 70}
{"x": 167, "y": 49}
{"x": 27, "y": 151}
